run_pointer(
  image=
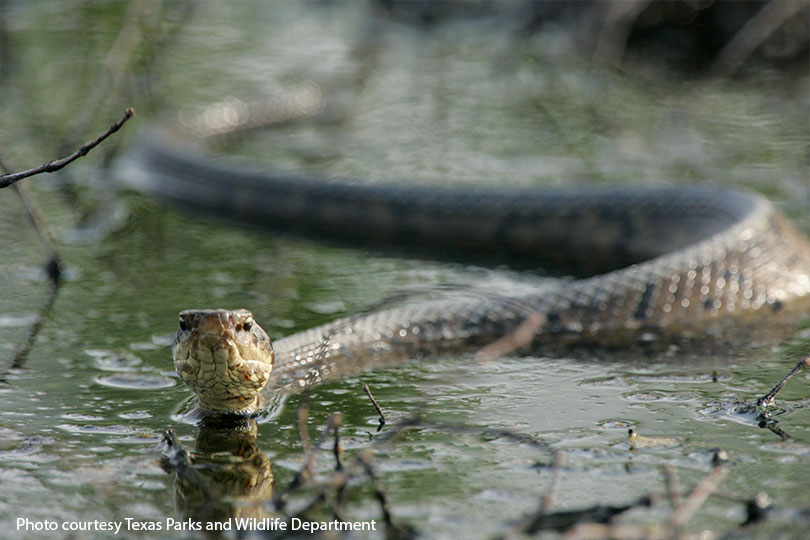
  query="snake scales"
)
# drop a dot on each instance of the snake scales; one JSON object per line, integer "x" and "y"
{"x": 660, "y": 261}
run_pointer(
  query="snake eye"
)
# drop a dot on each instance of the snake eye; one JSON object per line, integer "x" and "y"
{"x": 247, "y": 325}
{"x": 183, "y": 325}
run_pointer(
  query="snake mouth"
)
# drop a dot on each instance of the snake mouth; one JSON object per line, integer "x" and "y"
{"x": 224, "y": 357}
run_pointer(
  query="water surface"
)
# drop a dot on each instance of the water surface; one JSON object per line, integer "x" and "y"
{"x": 465, "y": 103}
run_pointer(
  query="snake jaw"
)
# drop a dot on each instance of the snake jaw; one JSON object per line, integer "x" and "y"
{"x": 224, "y": 356}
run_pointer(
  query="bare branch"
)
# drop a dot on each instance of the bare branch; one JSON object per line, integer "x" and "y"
{"x": 768, "y": 399}
{"x": 56, "y": 164}
{"x": 522, "y": 336}
{"x": 545, "y": 504}
{"x": 376, "y": 406}
{"x": 681, "y": 515}
{"x": 752, "y": 35}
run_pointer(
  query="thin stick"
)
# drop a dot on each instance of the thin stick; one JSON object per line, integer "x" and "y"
{"x": 376, "y": 406}
{"x": 176, "y": 458}
{"x": 752, "y": 35}
{"x": 337, "y": 451}
{"x": 673, "y": 486}
{"x": 522, "y": 336}
{"x": 379, "y": 494}
{"x": 306, "y": 473}
{"x": 337, "y": 448}
{"x": 57, "y": 164}
{"x": 702, "y": 491}
{"x": 675, "y": 499}
{"x": 303, "y": 434}
{"x": 599, "y": 531}
{"x": 545, "y": 504}
{"x": 767, "y": 399}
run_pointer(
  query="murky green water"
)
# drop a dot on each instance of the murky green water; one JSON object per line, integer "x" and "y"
{"x": 467, "y": 102}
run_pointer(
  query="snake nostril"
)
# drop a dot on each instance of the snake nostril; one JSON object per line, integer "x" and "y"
{"x": 183, "y": 324}
{"x": 247, "y": 325}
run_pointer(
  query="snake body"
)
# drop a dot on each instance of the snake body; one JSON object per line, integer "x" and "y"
{"x": 662, "y": 261}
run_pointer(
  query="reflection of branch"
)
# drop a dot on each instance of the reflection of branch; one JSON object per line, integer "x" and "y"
{"x": 56, "y": 164}
{"x": 22, "y": 353}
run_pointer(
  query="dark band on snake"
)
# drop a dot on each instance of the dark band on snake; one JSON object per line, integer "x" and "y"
{"x": 670, "y": 261}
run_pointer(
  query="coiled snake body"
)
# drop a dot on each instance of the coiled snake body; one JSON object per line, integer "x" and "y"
{"x": 665, "y": 261}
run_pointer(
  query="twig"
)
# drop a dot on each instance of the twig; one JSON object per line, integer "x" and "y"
{"x": 376, "y": 406}
{"x": 598, "y": 531}
{"x": 528, "y": 523}
{"x": 773, "y": 426}
{"x": 337, "y": 451}
{"x": 54, "y": 165}
{"x": 569, "y": 520}
{"x": 337, "y": 448}
{"x": 753, "y": 34}
{"x": 53, "y": 269}
{"x": 330, "y": 490}
{"x": 303, "y": 435}
{"x": 306, "y": 471}
{"x": 675, "y": 500}
{"x": 615, "y": 31}
{"x": 767, "y": 399}
{"x": 673, "y": 486}
{"x": 393, "y": 529}
{"x": 522, "y": 336}
{"x": 381, "y": 498}
{"x": 175, "y": 458}
{"x": 681, "y": 515}
{"x": 545, "y": 504}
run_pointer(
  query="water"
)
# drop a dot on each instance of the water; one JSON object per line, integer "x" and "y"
{"x": 466, "y": 103}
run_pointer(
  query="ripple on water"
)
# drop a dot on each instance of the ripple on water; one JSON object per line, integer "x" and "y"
{"x": 113, "y": 361}
{"x": 665, "y": 377}
{"x": 82, "y": 417}
{"x": 14, "y": 445}
{"x": 115, "y": 429}
{"x": 657, "y": 395}
{"x": 135, "y": 381}
{"x": 612, "y": 381}
{"x": 142, "y": 437}
{"x": 136, "y": 415}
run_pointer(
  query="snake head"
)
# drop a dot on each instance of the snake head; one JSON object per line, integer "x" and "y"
{"x": 224, "y": 356}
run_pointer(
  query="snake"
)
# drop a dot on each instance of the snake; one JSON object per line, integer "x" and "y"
{"x": 647, "y": 264}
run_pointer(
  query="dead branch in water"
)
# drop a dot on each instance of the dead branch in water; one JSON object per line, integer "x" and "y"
{"x": 57, "y": 164}
{"x": 768, "y": 399}
{"x": 376, "y": 406}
